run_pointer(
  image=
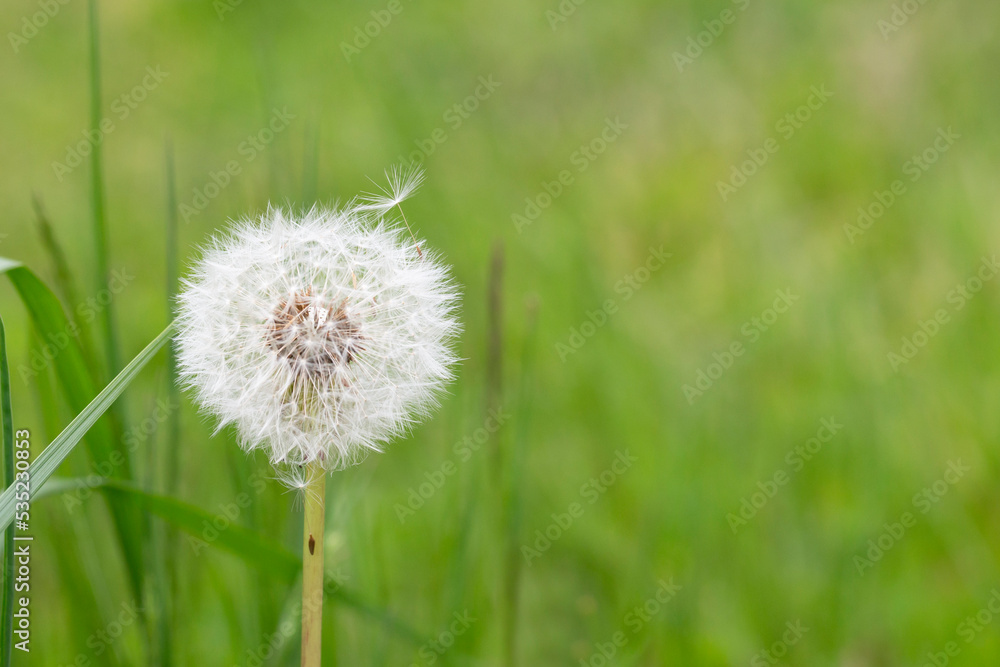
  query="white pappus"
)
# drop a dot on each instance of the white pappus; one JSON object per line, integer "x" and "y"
{"x": 321, "y": 336}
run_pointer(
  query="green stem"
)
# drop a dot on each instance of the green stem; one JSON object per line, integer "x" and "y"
{"x": 312, "y": 566}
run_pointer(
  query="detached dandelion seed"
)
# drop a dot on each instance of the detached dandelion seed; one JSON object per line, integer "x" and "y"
{"x": 318, "y": 338}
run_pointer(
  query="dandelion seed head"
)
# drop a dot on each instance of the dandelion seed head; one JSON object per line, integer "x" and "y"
{"x": 319, "y": 337}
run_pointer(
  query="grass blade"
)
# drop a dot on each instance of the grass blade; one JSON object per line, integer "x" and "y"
{"x": 97, "y": 190}
{"x": 236, "y": 539}
{"x": 65, "y": 284}
{"x": 51, "y": 322}
{"x": 64, "y": 277}
{"x": 513, "y": 499}
{"x": 7, "y": 451}
{"x": 55, "y": 328}
{"x": 310, "y": 166}
{"x": 163, "y": 542}
{"x": 59, "y": 449}
{"x": 173, "y": 395}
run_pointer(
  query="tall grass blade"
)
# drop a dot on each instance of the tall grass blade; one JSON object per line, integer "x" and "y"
{"x": 494, "y": 346}
{"x": 157, "y": 593}
{"x": 164, "y": 554}
{"x": 60, "y": 448}
{"x": 64, "y": 277}
{"x": 513, "y": 498}
{"x": 65, "y": 283}
{"x": 98, "y": 217}
{"x": 173, "y": 394}
{"x": 310, "y": 166}
{"x": 7, "y": 462}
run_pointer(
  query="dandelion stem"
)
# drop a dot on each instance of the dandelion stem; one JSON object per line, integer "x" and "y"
{"x": 312, "y": 565}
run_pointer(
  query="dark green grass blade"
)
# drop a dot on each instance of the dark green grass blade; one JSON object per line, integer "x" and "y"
{"x": 158, "y": 597}
{"x": 514, "y": 483}
{"x": 47, "y": 314}
{"x": 45, "y": 392}
{"x": 7, "y": 452}
{"x": 58, "y": 332}
{"x": 65, "y": 283}
{"x": 236, "y": 539}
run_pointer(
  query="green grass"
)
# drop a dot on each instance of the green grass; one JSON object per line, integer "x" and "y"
{"x": 656, "y": 184}
{"x": 7, "y": 452}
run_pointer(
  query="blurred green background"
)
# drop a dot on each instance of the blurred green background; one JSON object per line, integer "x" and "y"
{"x": 728, "y": 512}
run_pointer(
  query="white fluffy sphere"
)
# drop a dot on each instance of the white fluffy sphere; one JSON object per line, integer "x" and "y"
{"x": 318, "y": 337}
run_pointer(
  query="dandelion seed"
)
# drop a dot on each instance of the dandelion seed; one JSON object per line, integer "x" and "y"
{"x": 402, "y": 184}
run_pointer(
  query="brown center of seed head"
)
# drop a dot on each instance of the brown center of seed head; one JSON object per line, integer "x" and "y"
{"x": 313, "y": 336}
